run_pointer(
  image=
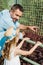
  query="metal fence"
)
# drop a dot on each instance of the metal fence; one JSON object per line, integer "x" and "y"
{"x": 29, "y": 60}
{"x": 33, "y": 13}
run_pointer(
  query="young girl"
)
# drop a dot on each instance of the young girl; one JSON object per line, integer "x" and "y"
{"x": 12, "y": 51}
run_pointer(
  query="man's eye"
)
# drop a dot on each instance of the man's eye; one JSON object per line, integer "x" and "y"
{"x": 17, "y": 15}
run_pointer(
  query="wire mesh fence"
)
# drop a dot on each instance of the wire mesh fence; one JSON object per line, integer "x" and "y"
{"x": 33, "y": 13}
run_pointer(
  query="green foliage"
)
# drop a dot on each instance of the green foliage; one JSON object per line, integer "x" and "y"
{"x": 6, "y": 4}
{"x": 3, "y": 4}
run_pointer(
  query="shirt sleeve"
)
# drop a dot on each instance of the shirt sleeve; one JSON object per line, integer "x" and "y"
{"x": 2, "y": 38}
{"x": 6, "y": 19}
{"x": 2, "y": 42}
{"x": 20, "y": 35}
{"x": 17, "y": 24}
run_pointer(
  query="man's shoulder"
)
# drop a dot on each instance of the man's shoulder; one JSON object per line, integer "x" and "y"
{"x": 5, "y": 11}
{"x": 5, "y": 14}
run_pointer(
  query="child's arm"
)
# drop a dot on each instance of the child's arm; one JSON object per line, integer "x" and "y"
{"x": 21, "y": 52}
{"x": 21, "y": 43}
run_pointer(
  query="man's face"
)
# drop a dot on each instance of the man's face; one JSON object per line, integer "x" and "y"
{"x": 16, "y": 15}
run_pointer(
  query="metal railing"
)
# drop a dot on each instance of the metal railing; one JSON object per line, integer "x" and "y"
{"x": 29, "y": 60}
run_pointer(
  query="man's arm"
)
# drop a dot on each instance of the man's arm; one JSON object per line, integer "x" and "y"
{"x": 33, "y": 28}
{"x": 6, "y": 37}
{"x": 21, "y": 26}
{"x": 2, "y": 42}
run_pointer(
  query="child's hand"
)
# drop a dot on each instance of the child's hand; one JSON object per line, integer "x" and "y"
{"x": 26, "y": 38}
{"x": 9, "y": 31}
{"x": 38, "y": 43}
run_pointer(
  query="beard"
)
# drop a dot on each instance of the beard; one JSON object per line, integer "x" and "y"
{"x": 14, "y": 20}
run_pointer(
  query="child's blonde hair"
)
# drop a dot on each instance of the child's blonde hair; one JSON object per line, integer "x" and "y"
{"x": 6, "y": 50}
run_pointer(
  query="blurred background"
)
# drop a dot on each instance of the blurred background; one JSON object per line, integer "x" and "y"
{"x": 33, "y": 11}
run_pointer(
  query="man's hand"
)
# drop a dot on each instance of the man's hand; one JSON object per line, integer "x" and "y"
{"x": 33, "y": 28}
{"x": 9, "y": 31}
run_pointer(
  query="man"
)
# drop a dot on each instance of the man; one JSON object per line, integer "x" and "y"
{"x": 10, "y": 18}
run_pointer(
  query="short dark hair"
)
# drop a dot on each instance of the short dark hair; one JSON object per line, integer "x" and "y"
{"x": 17, "y": 6}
